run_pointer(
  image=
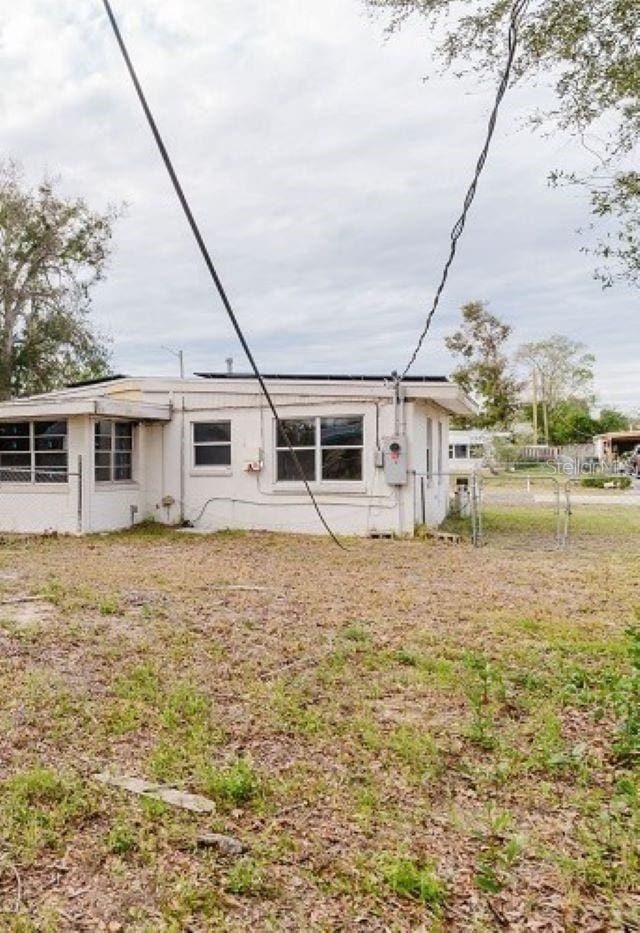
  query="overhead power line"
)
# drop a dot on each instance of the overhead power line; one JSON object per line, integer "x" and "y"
{"x": 210, "y": 265}
{"x": 517, "y": 13}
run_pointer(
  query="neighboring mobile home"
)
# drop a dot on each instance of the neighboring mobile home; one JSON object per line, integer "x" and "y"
{"x": 473, "y": 448}
{"x": 205, "y": 450}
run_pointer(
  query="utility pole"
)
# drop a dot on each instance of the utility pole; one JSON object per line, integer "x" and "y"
{"x": 534, "y": 379}
{"x": 180, "y": 355}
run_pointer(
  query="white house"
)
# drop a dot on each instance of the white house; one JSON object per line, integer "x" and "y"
{"x": 205, "y": 450}
{"x": 471, "y": 449}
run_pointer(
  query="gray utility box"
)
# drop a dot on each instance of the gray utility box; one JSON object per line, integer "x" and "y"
{"x": 395, "y": 459}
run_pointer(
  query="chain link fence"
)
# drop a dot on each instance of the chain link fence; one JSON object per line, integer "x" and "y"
{"x": 526, "y": 508}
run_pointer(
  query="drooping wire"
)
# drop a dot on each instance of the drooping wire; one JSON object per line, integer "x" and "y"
{"x": 211, "y": 267}
{"x": 517, "y": 12}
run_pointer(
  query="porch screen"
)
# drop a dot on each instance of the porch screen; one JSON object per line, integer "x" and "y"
{"x": 34, "y": 452}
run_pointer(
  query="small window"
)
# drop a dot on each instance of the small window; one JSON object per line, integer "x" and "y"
{"x": 113, "y": 451}
{"x": 341, "y": 441}
{"x": 212, "y": 444}
{"x": 460, "y": 451}
{"x": 34, "y": 452}
{"x": 327, "y": 449}
{"x": 301, "y": 433}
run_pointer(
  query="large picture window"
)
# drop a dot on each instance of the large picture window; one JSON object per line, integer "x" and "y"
{"x": 328, "y": 449}
{"x": 33, "y": 452}
{"x": 113, "y": 451}
{"x": 212, "y": 444}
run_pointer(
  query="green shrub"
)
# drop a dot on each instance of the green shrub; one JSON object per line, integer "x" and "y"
{"x": 601, "y": 482}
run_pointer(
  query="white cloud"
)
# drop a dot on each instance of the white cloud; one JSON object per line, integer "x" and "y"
{"x": 325, "y": 174}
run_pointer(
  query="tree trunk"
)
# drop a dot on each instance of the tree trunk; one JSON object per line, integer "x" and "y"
{"x": 6, "y": 358}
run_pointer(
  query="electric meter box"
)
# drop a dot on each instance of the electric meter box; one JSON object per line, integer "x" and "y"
{"x": 395, "y": 456}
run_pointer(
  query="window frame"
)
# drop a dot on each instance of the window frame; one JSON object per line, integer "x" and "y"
{"x": 455, "y": 451}
{"x": 32, "y": 453}
{"x": 429, "y": 450}
{"x": 219, "y": 469}
{"x": 113, "y": 450}
{"x": 318, "y": 480}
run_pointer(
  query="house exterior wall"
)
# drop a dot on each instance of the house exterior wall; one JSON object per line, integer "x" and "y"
{"x": 233, "y": 497}
{"x": 110, "y": 506}
{"x": 38, "y": 508}
{"x": 429, "y": 430}
{"x": 168, "y": 487}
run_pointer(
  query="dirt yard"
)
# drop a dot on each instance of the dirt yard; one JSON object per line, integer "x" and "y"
{"x": 406, "y": 736}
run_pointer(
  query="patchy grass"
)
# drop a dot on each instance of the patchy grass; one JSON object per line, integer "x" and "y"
{"x": 406, "y": 736}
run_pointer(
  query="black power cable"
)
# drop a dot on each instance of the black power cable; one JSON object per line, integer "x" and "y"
{"x": 210, "y": 266}
{"x": 517, "y": 12}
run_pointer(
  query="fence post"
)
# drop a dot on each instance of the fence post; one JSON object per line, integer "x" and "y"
{"x": 567, "y": 513}
{"x": 476, "y": 516}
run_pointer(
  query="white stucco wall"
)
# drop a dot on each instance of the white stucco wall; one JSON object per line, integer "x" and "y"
{"x": 168, "y": 487}
{"x": 433, "y": 482}
{"x": 231, "y": 497}
{"x": 37, "y": 508}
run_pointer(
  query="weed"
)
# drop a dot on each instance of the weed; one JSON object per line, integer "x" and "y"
{"x": 416, "y": 748}
{"x": 247, "y": 878}
{"x": 39, "y": 807}
{"x": 417, "y": 880}
{"x": 627, "y": 745}
{"x": 485, "y": 692}
{"x": 356, "y": 633}
{"x": 188, "y": 735}
{"x": 236, "y": 785}
{"x": 141, "y": 684}
{"x": 295, "y": 711}
{"x": 499, "y": 854}
{"x": 405, "y": 657}
{"x": 186, "y": 901}
{"x": 109, "y": 606}
{"x": 26, "y": 632}
{"x": 122, "y": 838}
{"x": 549, "y": 751}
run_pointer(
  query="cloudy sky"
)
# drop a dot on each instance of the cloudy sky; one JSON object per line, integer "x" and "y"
{"x": 325, "y": 173}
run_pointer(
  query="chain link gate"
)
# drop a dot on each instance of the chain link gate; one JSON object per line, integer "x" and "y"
{"x": 544, "y": 511}
{"x": 518, "y": 510}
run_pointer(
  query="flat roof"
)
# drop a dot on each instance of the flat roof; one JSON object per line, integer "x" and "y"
{"x": 321, "y": 377}
{"x": 94, "y": 382}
